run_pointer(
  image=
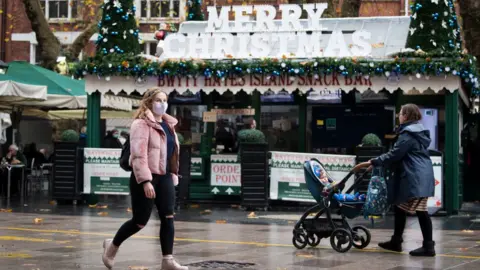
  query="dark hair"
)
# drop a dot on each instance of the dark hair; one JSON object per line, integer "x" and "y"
{"x": 411, "y": 112}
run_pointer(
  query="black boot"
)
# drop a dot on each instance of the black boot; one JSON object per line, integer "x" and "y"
{"x": 395, "y": 244}
{"x": 427, "y": 250}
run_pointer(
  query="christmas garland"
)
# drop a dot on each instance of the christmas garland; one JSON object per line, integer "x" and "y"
{"x": 407, "y": 64}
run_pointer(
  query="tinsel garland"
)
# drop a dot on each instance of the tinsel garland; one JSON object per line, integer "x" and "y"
{"x": 407, "y": 64}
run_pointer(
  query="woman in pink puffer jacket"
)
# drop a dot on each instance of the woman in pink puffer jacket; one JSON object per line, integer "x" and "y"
{"x": 154, "y": 155}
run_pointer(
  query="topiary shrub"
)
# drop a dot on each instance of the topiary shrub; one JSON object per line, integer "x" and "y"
{"x": 181, "y": 140}
{"x": 371, "y": 140}
{"x": 69, "y": 135}
{"x": 251, "y": 136}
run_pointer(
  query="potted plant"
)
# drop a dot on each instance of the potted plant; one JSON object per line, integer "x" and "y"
{"x": 253, "y": 157}
{"x": 249, "y": 136}
{"x": 370, "y": 147}
{"x": 67, "y": 184}
{"x": 70, "y": 136}
{"x": 371, "y": 140}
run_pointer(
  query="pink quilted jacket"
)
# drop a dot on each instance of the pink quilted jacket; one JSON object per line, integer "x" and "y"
{"x": 148, "y": 148}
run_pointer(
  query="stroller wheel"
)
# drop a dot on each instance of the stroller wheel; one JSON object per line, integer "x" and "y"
{"x": 341, "y": 240}
{"x": 361, "y": 237}
{"x": 299, "y": 240}
{"x": 313, "y": 240}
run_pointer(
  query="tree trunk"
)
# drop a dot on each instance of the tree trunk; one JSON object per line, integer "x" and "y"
{"x": 47, "y": 42}
{"x": 74, "y": 50}
{"x": 351, "y": 8}
{"x": 470, "y": 13}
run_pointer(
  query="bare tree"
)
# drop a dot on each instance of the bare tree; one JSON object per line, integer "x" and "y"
{"x": 48, "y": 43}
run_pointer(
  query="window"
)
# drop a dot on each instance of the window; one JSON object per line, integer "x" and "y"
{"x": 280, "y": 126}
{"x": 150, "y": 48}
{"x": 190, "y": 124}
{"x": 59, "y": 9}
{"x": 160, "y": 9}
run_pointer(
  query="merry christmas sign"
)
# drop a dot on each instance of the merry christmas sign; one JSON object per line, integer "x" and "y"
{"x": 255, "y": 33}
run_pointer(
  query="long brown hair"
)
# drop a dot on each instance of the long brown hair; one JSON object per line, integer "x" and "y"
{"x": 411, "y": 112}
{"x": 146, "y": 102}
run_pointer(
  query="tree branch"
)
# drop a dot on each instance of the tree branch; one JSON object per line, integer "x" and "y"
{"x": 74, "y": 50}
{"x": 91, "y": 12}
{"x": 48, "y": 43}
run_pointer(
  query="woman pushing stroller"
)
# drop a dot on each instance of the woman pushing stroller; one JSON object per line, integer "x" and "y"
{"x": 413, "y": 180}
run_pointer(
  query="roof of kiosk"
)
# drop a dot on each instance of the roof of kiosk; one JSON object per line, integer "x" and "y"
{"x": 388, "y": 36}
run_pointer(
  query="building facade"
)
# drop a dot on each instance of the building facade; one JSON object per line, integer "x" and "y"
{"x": 18, "y": 41}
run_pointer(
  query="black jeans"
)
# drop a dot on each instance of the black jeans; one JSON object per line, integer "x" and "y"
{"x": 142, "y": 208}
{"x": 164, "y": 200}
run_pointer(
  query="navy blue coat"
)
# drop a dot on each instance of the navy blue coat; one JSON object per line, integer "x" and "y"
{"x": 411, "y": 164}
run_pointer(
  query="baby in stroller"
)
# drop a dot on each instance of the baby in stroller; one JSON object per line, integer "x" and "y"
{"x": 331, "y": 200}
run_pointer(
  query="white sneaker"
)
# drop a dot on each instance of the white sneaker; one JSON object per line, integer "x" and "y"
{"x": 171, "y": 264}
{"x": 109, "y": 252}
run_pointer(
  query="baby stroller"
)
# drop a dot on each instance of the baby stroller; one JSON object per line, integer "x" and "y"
{"x": 309, "y": 231}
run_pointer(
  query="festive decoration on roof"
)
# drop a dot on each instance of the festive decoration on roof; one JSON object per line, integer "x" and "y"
{"x": 195, "y": 12}
{"x": 415, "y": 64}
{"x": 118, "y": 31}
{"x": 434, "y": 26}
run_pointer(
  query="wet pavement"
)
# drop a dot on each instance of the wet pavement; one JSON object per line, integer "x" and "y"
{"x": 38, "y": 235}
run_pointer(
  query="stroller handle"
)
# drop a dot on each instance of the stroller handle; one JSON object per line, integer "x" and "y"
{"x": 356, "y": 182}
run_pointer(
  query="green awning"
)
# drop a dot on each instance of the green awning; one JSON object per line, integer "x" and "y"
{"x": 62, "y": 91}
{"x": 19, "y": 89}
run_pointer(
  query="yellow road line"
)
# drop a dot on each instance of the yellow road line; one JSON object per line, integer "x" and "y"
{"x": 13, "y": 255}
{"x": 259, "y": 244}
{"x": 29, "y": 239}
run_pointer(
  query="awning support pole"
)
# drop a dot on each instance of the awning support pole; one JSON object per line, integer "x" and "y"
{"x": 452, "y": 145}
{"x": 93, "y": 120}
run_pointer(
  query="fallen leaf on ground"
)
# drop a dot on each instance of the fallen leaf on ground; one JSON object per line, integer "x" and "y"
{"x": 92, "y": 205}
{"x": 467, "y": 231}
{"x": 206, "y": 212}
{"x": 221, "y": 221}
{"x": 5, "y": 210}
{"x": 102, "y": 214}
{"x": 52, "y": 203}
{"x": 129, "y": 209}
{"x": 304, "y": 255}
{"x": 138, "y": 267}
{"x": 463, "y": 249}
{"x": 38, "y": 220}
{"x": 194, "y": 206}
{"x": 252, "y": 215}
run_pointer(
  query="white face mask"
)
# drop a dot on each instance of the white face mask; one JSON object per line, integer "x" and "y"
{"x": 160, "y": 108}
